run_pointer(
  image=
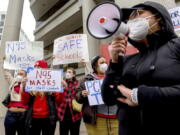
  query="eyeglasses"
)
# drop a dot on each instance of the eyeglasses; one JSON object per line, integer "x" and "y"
{"x": 137, "y": 13}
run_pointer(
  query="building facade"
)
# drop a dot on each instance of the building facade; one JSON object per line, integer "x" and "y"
{"x": 2, "y": 19}
{"x": 55, "y": 18}
{"x": 22, "y": 35}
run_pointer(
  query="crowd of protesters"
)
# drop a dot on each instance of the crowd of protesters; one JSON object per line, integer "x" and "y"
{"x": 37, "y": 112}
{"x": 143, "y": 89}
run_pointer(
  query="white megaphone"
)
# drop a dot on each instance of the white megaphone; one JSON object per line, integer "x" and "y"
{"x": 105, "y": 20}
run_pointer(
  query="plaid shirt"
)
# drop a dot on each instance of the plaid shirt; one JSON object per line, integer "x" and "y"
{"x": 68, "y": 95}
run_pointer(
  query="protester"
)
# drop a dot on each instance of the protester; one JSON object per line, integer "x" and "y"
{"x": 100, "y": 119}
{"x": 148, "y": 92}
{"x": 17, "y": 103}
{"x": 70, "y": 119}
{"x": 41, "y": 117}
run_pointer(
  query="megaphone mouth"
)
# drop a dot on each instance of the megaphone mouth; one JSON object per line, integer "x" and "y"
{"x": 98, "y": 18}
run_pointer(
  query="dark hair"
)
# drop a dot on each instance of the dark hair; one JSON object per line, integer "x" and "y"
{"x": 94, "y": 62}
{"x": 74, "y": 72}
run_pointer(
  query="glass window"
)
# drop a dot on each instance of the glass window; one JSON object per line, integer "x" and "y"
{"x": 2, "y": 17}
{"x": 1, "y": 23}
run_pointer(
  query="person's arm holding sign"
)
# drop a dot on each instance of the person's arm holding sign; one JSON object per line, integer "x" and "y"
{"x": 81, "y": 92}
{"x": 84, "y": 93}
{"x": 7, "y": 73}
{"x": 60, "y": 95}
{"x": 8, "y": 76}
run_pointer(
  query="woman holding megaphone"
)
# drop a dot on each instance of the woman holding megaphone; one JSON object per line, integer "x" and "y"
{"x": 146, "y": 85}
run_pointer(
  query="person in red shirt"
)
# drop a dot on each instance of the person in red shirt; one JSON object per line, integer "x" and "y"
{"x": 42, "y": 113}
{"x": 17, "y": 103}
{"x": 70, "y": 120}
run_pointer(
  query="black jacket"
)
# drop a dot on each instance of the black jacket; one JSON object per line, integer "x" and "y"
{"x": 89, "y": 112}
{"x": 155, "y": 71}
{"x": 52, "y": 110}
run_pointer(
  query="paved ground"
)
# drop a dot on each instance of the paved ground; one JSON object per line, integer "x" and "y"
{"x": 2, "y": 126}
{"x": 82, "y": 129}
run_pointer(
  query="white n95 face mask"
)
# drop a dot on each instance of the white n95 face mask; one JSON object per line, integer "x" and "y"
{"x": 138, "y": 28}
{"x": 103, "y": 67}
{"x": 19, "y": 78}
{"x": 68, "y": 76}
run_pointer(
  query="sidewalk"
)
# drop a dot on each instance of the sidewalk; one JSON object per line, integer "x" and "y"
{"x": 82, "y": 129}
{"x": 2, "y": 126}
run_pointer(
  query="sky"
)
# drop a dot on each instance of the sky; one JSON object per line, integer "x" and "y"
{"x": 28, "y": 21}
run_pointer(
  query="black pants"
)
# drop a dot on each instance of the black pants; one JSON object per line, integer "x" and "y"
{"x": 68, "y": 125}
{"x": 42, "y": 125}
{"x": 15, "y": 122}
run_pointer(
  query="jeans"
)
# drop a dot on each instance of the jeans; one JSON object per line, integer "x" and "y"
{"x": 42, "y": 125}
{"x": 15, "y": 122}
{"x": 67, "y": 125}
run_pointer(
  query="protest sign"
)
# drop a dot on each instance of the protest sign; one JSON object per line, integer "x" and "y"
{"x": 70, "y": 49}
{"x": 94, "y": 89}
{"x": 21, "y": 54}
{"x": 175, "y": 17}
{"x": 44, "y": 80}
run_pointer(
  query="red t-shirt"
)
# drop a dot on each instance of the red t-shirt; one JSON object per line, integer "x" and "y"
{"x": 40, "y": 107}
{"x": 24, "y": 99}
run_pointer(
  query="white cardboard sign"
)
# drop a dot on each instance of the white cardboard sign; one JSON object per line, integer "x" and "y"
{"x": 21, "y": 54}
{"x": 175, "y": 17}
{"x": 94, "y": 89}
{"x": 44, "y": 80}
{"x": 70, "y": 49}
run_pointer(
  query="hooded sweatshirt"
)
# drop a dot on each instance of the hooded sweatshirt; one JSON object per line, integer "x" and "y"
{"x": 155, "y": 72}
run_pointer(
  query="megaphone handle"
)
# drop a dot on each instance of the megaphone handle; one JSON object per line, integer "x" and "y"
{"x": 121, "y": 35}
{"x": 124, "y": 31}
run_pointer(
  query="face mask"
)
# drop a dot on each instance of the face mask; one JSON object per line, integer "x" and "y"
{"x": 139, "y": 28}
{"x": 103, "y": 67}
{"x": 68, "y": 76}
{"x": 19, "y": 78}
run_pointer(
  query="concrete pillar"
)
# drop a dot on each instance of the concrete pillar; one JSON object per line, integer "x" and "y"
{"x": 10, "y": 33}
{"x": 93, "y": 44}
